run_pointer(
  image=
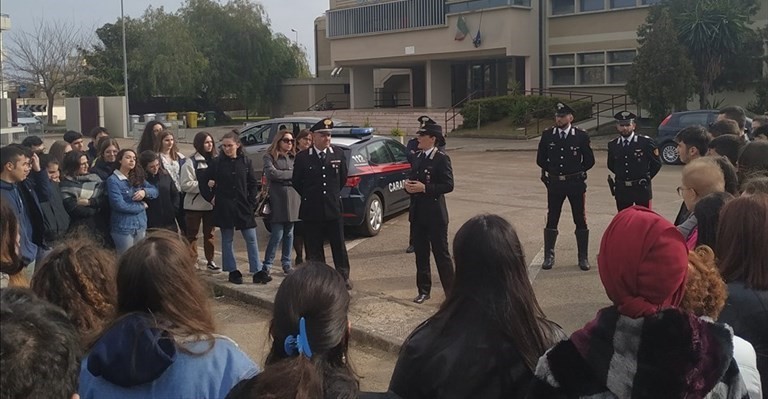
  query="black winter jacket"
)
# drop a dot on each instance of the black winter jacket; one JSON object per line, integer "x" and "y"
{"x": 234, "y": 195}
{"x": 161, "y": 213}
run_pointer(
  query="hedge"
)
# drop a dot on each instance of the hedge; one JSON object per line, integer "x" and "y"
{"x": 519, "y": 109}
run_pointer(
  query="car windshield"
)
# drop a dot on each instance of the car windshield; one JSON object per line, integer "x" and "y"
{"x": 25, "y": 114}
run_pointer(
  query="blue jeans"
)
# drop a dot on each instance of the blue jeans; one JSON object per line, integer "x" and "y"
{"x": 123, "y": 241}
{"x": 228, "y": 250}
{"x": 284, "y": 232}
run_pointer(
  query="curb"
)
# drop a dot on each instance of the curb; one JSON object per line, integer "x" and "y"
{"x": 359, "y": 333}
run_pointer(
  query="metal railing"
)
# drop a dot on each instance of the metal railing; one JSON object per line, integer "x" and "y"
{"x": 391, "y": 99}
{"x": 331, "y": 101}
{"x": 384, "y": 17}
{"x": 455, "y": 109}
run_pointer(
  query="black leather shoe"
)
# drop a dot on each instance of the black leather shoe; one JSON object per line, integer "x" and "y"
{"x": 236, "y": 277}
{"x": 261, "y": 277}
{"x": 421, "y": 298}
{"x": 410, "y": 249}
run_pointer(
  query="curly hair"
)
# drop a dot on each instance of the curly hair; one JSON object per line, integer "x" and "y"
{"x": 79, "y": 276}
{"x": 705, "y": 289}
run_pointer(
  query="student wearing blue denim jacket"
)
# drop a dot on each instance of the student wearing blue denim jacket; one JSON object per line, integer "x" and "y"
{"x": 127, "y": 189}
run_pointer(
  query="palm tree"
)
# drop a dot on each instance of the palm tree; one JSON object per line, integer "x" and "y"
{"x": 712, "y": 30}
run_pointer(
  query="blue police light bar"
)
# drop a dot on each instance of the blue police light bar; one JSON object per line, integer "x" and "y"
{"x": 361, "y": 131}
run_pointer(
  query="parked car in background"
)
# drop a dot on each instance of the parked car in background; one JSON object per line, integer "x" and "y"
{"x": 676, "y": 121}
{"x": 24, "y": 118}
{"x": 256, "y": 137}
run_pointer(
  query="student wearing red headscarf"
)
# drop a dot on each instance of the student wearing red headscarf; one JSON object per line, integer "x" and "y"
{"x": 643, "y": 346}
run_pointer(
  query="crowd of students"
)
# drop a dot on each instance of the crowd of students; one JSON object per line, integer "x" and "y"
{"x": 688, "y": 317}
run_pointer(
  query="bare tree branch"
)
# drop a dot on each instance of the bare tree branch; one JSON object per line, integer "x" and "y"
{"x": 47, "y": 58}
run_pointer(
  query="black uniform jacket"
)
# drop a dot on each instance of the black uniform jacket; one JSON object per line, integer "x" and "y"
{"x": 319, "y": 183}
{"x": 565, "y": 157}
{"x": 638, "y": 160}
{"x": 436, "y": 173}
{"x": 235, "y": 191}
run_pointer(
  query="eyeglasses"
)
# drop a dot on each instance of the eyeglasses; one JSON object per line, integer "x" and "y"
{"x": 680, "y": 190}
{"x": 83, "y": 163}
{"x": 287, "y": 141}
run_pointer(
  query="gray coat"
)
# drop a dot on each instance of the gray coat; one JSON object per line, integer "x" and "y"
{"x": 283, "y": 199}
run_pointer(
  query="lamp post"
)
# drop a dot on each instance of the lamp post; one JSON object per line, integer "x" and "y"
{"x": 125, "y": 74}
{"x": 297, "y": 36}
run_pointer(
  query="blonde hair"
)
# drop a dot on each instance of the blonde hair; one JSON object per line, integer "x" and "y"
{"x": 704, "y": 176}
{"x": 705, "y": 290}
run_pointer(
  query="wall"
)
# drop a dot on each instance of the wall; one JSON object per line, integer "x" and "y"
{"x": 501, "y": 30}
{"x": 73, "y": 108}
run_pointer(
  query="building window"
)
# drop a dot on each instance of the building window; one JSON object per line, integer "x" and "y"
{"x": 562, "y": 60}
{"x": 591, "y": 69}
{"x": 650, "y": 2}
{"x": 592, "y": 58}
{"x": 454, "y": 6}
{"x": 563, "y": 77}
{"x": 591, "y": 5}
{"x": 560, "y": 7}
{"x": 623, "y": 3}
{"x": 621, "y": 56}
{"x": 618, "y": 74}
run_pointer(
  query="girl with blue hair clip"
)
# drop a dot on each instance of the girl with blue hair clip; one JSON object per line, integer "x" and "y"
{"x": 310, "y": 339}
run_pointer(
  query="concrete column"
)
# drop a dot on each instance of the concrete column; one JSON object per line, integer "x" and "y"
{"x": 361, "y": 87}
{"x": 438, "y": 84}
{"x": 114, "y": 118}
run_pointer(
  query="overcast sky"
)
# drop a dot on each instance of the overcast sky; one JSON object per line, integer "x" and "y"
{"x": 284, "y": 14}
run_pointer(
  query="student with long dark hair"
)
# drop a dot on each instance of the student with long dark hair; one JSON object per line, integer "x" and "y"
{"x": 707, "y": 212}
{"x": 161, "y": 211}
{"x": 148, "y": 139}
{"x": 127, "y": 188}
{"x": 230, "y": 185}
{"x": 196, "y": 209}
{"x": 162, "y": 342}
{"x": 11, "y": 263}
{"x": 310, "y": 340}
{"x": 742, "y": 240}
{"x": 172, "y": 161}
{"x": 489, "y": 333}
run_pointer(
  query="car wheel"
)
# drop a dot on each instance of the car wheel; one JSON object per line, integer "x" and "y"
{"x": 374, "y": 216}
{"x": 669, "y": 154}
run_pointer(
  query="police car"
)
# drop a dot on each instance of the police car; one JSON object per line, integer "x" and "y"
{"x": 375, "y": 187}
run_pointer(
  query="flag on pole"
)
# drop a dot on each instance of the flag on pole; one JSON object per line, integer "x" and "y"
{"x": 461, "y": 29}
{"x": 477, "y": 41}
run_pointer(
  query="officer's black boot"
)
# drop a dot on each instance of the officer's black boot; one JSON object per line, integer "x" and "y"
{"x": 582, "y": 243}
{"x": 550, "y": 237}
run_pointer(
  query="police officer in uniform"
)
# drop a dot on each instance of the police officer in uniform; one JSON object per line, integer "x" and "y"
{"x": 565, "y": 156}
{"x": 634, "y": 159}
{"x": 319, "y": 173}
{"x": 431, "y": 177}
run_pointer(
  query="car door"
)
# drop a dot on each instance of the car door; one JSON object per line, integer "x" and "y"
{"x": 256, "y": 140}
{"x": 401, "y": 168}
{"x": 390, "y": 178}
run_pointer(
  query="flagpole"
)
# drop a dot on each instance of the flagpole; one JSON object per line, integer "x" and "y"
{"x": 125, "y": 75}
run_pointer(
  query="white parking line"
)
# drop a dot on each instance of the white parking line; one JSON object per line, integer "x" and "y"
{"x": 535, "y": 267}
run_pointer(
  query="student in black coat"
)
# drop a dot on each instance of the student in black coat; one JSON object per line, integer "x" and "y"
{"x": 319, "y": 174}
{"x": 486, "y": 338}
{"x": 431, "y": 177}
{"x": 230, "y": 184}
{"x": 162, "y": 210}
